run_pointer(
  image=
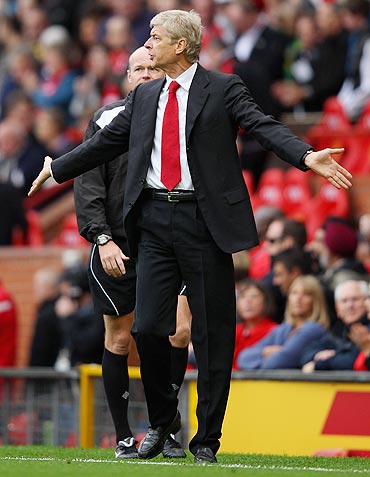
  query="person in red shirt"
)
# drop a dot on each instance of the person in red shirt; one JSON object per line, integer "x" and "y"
{"x": 254, "y": 308}
{"x": 8, "y": 332}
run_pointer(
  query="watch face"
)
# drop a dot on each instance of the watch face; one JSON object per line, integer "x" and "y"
{"x": 103, "y": 239}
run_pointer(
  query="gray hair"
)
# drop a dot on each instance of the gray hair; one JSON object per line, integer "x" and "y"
{"x": 181, "y": 24}
{"x": 362, "y": 284}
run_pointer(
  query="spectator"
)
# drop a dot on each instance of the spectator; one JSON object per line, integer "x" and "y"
{"x": 12, "y": 214}
{"x": 51, "y": 131}
{"x": 259, "y": 257}
{"x": 34, "y": 21}
{"x": 20, "y": 71}
{"x": 82, "y": 327}
{"x": 287, "y": 266}
{"x": 335, "y": 350}
{"x": 363, "y": 246}
{"x": 47, "y": 336}
{"x": 359, "y": 334}
{"x": 95, "y": 87}
{"x": 207, "y": 12}
{"x": 259, "y": 54}
{"x": 120, "y": 44}
{"x": 8, "y": 328}
{"x": 355, "y": 90}
{"x": 138, "y": 16}
{"x": 58, "y": 74}
{"x": 282, "y": 234}
{"x": 254, "y": 308}
{"x": 315, "y": 60}
{"x": 305, "y": 320}
{"x": 296, "y": 87}
{"x": 20, "y": 109}
{"x": 333, "y": 52}
{"x": 20, "y": 156}
{"x": 90, "y": 26}
{"x": 339, "y": 259}
{"x": 8, "y": 332}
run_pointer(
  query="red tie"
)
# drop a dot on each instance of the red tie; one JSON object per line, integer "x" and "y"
{"x": 170, "y": 155}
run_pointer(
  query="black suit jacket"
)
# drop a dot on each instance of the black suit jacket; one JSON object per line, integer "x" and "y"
{"x": 218, "y": 105}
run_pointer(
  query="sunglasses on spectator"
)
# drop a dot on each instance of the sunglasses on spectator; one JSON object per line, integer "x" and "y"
{"x": 274, "y": 240}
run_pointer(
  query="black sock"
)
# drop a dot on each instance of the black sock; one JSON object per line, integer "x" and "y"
{"x": 179, "y": 361}
{"x": 116, "y": 385}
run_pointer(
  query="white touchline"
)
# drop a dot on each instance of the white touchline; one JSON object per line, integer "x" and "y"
{"x": 186, "y": 464}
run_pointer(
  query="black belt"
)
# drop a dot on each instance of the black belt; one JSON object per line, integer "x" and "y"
{"x": 171, "y": 196}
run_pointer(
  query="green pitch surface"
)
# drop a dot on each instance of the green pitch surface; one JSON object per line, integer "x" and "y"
{"x": 59, "y": 462}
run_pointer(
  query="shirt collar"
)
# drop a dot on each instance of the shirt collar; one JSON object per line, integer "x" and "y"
{"x": 185, "y": 79}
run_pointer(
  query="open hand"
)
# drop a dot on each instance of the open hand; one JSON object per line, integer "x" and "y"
{"x": 42, "y": 177}
{"x": 324, "y": 165}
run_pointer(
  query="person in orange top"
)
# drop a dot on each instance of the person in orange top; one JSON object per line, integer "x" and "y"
{"x": 254, "y": 308}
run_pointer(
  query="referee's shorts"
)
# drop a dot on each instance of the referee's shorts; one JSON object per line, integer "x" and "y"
{"x": 112, "y": 296}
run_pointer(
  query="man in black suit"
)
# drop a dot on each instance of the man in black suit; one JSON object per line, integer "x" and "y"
{"x": 187, "y": 231}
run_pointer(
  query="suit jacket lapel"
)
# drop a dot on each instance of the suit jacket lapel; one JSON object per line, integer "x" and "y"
{"x": 149, "y": 106}
{"x": 198, "y": 95}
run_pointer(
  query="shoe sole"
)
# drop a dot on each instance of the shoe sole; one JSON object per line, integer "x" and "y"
{"x": 173, "y": 428}
{"x": 127, "y": 456}
{"x": 177, "y": 456}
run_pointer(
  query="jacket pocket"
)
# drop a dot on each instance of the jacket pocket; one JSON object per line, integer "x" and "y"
{"x": 236, "y": 195}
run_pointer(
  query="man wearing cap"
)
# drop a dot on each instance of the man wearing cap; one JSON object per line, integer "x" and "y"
{"x": 340, "y": 239}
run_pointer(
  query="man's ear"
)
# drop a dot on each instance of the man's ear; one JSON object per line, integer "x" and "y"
{"x": 181, "y": 45}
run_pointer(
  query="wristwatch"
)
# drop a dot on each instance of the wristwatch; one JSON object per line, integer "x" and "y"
{"x": 102, "y": 239}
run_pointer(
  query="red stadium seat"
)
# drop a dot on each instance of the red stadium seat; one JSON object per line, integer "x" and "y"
{"x": 296, "y": 193}
{"x": 249, "y": 181}
{"x": 270, "y": 188}
{"x": 357, "y": 158}
{"x": 34, "y": 236}
{"x": 328, "y": 201}
{"x": 334, "y": 129}
{"x": 69, "y": 235}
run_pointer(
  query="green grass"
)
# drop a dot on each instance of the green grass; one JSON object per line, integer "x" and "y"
{"x": 41, "y": 461}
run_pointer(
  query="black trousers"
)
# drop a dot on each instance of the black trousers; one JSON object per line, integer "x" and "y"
{"x": 175, "y": 245}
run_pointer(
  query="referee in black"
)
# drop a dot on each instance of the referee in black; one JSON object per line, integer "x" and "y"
{"x": 99, "y": 202}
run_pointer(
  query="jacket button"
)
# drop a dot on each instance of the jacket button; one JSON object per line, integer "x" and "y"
{"x": 142, "y": 181}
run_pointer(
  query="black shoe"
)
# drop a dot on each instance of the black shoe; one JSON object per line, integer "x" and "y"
{"x": 126, "y": 449}
{"x": 153, "y": 442}
{"x": 172, "y": 449}
{"x": 205, "y": 455}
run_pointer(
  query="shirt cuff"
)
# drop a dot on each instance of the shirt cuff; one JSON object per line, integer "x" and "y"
{"x": 303, "y": 164}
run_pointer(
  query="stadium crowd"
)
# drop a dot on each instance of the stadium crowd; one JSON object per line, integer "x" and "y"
{"x": 302, "y": 294}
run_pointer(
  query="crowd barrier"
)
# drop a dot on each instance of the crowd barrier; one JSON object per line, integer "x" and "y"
{"x": 270, "y": 412}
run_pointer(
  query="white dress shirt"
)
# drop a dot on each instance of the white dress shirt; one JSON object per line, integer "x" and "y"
{"x": 153, "y": 178}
